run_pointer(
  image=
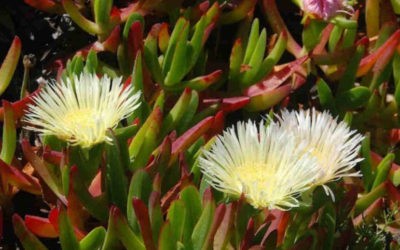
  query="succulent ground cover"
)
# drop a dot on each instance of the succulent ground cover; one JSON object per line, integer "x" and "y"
{"x": 200, "y": 124}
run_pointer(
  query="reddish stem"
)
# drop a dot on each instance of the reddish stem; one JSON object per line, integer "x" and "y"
{"x": 278, "y": 26}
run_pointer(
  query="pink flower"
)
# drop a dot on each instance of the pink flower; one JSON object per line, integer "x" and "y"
{"x": 323, "y": 9}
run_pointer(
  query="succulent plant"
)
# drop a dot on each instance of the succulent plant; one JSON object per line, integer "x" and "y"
{"x": 208, "y": 125}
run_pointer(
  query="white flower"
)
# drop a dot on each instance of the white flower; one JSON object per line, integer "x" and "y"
{"x": 263, "y": 163}
{"x": 333, "y": 143}
{"x": 81, "y": 109}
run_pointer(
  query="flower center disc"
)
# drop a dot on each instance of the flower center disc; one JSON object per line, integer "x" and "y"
{"x": 83, "y": 118}
{"x": 254, "y": 175}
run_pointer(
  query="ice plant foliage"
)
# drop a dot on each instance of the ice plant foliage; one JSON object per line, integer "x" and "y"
{"x": 332, "y": 143}
{"x": 79, "y": 110}
{"x": 324, "y": 9}
{"x": 263, "y": 163}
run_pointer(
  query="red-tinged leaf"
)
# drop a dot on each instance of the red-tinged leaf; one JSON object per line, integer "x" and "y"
{"x": 69, "y": 235}
{"x": 218, "y": 217}
{"x": 218, "y": 125}
{"x": 115, "y": 15}
{"x": 135, "y": 39}
{"x": 275, "y": 79}
{"x": 240, "y": 11}
{"x": 363, "y": 41}
{"x": 53, "y": 218}
{"x": 163, "y": 37}
{"x": 212, "y": 16}
{"x": 208, "y": 196}
{"x": 369, "y": 214}
{"x": 177, "y": 112}
{"x": 339, "y": 56}
{"x": 9, "y": 64}
{"x": 155, "y": 214}
{"x": 375, "y": 158}
{"x": 324, "y": 38}
{"x": 46, "y": 6}
{"x": 162, "y": 156}
{"x": 384, "y": 53}
{"x": 269, "y": 98}
{"x": 27, "y": 238}
{"x": 41, "y": 227}
{"x": 234, "y": 103}
{"x": 172, "y": 194}
{"x": 387, "y": 54}
{"x": 394, "y": 136}
{"x": 19, "y": 107}
{"x": 118, "y": 228}
{"x": 223, "y": 233}
{"x": 183, "y": 166}
{"x": 42, "y": 170}
{"x": 53, "y": 157}
{"x": 282, "y": 228}
{"x": 366, "y": 200}
{"x": 248, "y": 235}
{"x": 131, "y": 8}
{"x": 112, "y": 41}
{"x": 203, "y": 6}
{"x": 190, "y": 136}
{"x": 235, "y": 62}
{"x": 229, "y": 104}
{"x": 96, "y": 206}
{"x": 142, "y": 214}
{"x": 152, "y": 121}
{"x": 393, "y": 193}
{"x": 202, "y": 82}
{"x": 76, "y": 212}
{"x": 95, "y": 187}
{"x": 278, "y": 25}
{"x": 279, "y": 221}
{"x": 19, "y": 179}
{"x": 199, "y": 10}
{"x": 213, "y": 13}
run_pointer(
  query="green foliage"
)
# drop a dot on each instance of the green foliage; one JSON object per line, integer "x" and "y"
{"x": 200, "y": 67}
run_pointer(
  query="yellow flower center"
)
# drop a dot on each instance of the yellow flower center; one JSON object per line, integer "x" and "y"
{"x": 254, "y": 175}
{"x": 84, "y": 118}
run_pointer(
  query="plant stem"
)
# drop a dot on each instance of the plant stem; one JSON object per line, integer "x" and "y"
{"x": 278, "y": 25}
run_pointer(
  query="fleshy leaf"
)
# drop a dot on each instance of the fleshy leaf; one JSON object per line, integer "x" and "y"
{"x": 9, "y": 64}
{"x": 28, "y": 240}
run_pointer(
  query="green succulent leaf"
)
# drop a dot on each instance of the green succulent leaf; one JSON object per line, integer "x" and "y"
{"x": 325, "y": 96}
{"x": 9, "y": 142}
{"x": 201, "y": 230}
{"x": 9, "y": 64}
{"x": 382, "y": 170}
{"x": 140, "y": 187}
{"x": 116, "y": 182}
{"x": 68, "y": 239}
{"x": 353, "y": 98}
{"x": 94, "y": 239}
{"x": 28, "y": 240}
